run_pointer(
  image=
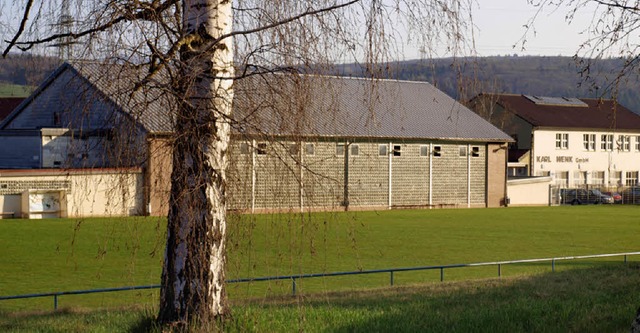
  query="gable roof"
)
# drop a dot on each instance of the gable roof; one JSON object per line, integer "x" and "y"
{"x": 300, "y": 105}
{"x": 8, "y": 104}
{"x": 356, "y": 107}
{"x": 583, "y": 113}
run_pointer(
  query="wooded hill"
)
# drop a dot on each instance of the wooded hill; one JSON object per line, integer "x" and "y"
{"x": 461, "y": 78}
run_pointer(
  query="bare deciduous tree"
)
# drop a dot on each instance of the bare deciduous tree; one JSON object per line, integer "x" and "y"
{"x": 203, "y": 47}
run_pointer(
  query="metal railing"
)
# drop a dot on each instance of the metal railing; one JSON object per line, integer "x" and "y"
{"x": 293, "y": 278}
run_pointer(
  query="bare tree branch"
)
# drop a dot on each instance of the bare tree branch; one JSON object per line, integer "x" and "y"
{"x": 23, "y": 23}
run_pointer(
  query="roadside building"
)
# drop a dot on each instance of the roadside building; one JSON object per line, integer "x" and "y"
{"x": 574, "y": 141}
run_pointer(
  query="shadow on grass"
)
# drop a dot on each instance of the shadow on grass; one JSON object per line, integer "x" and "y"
{"x": 601, "y": 299}
{"x": 593, "y": 299}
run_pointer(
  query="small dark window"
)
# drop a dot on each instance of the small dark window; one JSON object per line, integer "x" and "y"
{"x": 475, "y": 151}
{"x": 310, "y": 149}
{"x": 355, "y": 150}
{"x": 397, "y": 150}
{"x": 4, "y": 186}
{"x": 424, "y": 150}
{"x": 244, "y": 148}
{"x": 463, "y": 151}
{"x": 294, "y": 149}
{"x": 382, "y": 150}
{"x": 437, "y": 151}
{"x": 261, "y": 149}
{"x": 57, "y": 163}
{"x": 339, "y": 149}
{"x": 56, "y": 118}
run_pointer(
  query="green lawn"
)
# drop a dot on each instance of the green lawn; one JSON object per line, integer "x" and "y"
{"x": 14, "y": 90}
{"x": 61, "y": 254}
{"x": 599, "y": 299}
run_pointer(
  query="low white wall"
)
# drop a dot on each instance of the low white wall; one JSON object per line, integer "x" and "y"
{"x": 89, "y": 193}
{"x": 533, "y": 191}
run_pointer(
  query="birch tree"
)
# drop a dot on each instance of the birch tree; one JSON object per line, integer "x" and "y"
{"x": 205, "y": 46}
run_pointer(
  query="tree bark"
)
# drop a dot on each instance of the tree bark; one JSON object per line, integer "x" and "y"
{"x": 193, "y": 275}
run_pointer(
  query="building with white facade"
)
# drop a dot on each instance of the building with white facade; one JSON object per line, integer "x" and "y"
{"x": 575, "y": 141}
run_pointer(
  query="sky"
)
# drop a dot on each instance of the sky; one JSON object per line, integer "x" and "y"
{"x": 499, "y": 25}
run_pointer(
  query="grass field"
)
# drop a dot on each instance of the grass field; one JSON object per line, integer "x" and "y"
{"x": 14, "y": 90}
{"x": 62, "y": 254}
{"x": 600, "y": 299}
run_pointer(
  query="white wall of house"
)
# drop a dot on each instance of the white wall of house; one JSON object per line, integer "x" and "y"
{"x": 572, "y": 159}
{"x": 89, "y": 193}
{"x": 529, "y": 191}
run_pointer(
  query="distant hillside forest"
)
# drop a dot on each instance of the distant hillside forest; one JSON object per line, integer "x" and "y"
{"x": 26, "y": 70}
{"x": 461, "y": 78}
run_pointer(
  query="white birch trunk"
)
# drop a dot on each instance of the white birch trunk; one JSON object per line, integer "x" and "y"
{"x": 193, "y": 276}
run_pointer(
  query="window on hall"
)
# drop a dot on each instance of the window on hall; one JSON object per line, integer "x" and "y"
{"x": 244, "y": 148}
{"x": 463, "y": 151}
{"x": 339, "y": 149}
{"x": 562, "y": 140}
{"x": 424, "y": 150}
{"x": 56, "y": 118}
{"x": 606, "y": 142}
{"x": 589, "y": 142}
{"x": 262, "y": 148}
{"x": 355, "y": 150}
{"x": 437, "y": 151}
{"x": 309, "y": 149}
{"x": 638, "y": 143}
{"x": 382, "y": 150}
{"x": 294, "y": 149}
{"x": 624, "y": 143}
{"x": 397, "y": 150}
{"x": 631, "y": 178}
{"x": 475, "y": 151}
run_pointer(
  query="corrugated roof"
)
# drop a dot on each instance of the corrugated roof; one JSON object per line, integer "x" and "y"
{"x": 596, "y": 114}
{"x": 355, "y": 107}
{"x": 303, "y": 105}
{"x": 150, "y": 104}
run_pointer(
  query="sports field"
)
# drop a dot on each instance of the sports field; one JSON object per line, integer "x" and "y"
{"x": 65, "y": 254}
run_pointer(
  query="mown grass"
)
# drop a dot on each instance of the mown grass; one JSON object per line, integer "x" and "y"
{"x": 65, "y": 254}
{"x": 599, "y": 299}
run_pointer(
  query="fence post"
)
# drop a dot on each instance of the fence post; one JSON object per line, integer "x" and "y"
{"x": 553, "y": 265}
{"x": 625, "y": 258}
{"x": 441, "y": 274}
{"x": 293, "y": 286}
{"x": 499, "y": 270}
{"x": 55, "y": 302}
{"x": 391, "y": 278}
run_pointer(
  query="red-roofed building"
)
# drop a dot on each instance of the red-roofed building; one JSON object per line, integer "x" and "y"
{"x": 8, "y": 104}
{"x": 576, "y": 141}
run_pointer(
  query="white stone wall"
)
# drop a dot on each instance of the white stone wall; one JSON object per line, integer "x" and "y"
{"x": 582, "y": 165}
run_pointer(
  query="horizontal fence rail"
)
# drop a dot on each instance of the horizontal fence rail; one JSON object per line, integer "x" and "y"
{"x": 293, "y": 278}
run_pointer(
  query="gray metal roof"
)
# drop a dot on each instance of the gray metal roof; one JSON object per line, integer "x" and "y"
{"x": 303, "y": 105}
{"x": 356, "y": 107}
